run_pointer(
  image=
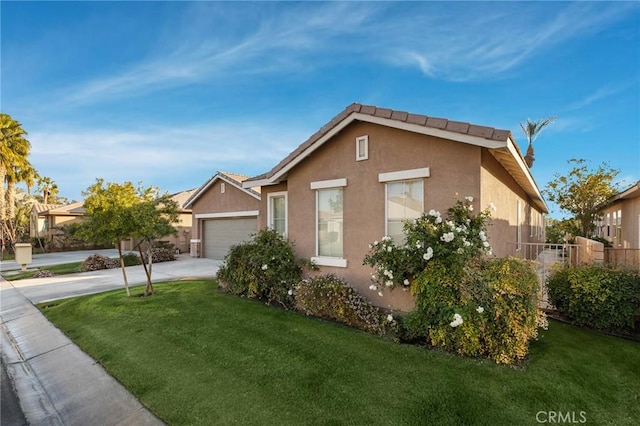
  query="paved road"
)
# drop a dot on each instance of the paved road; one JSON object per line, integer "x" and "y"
{"x": 46, "y": 259}
{"x": 10, "y": 411}
{"x": 56, "y": 383}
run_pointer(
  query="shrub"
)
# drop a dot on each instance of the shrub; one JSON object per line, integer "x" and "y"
{"x": 456, "y": 239}
{"x": 488, "y": 309}
{"x": 97, "y": 262}
{"x": 263, "y": 268}
{"x": 329, "y": 297}
{"x": 131, "y": 259}
{"x": 43, "y": 274}
{"x": 599, "y": 296}
{"x": 160, "y": 254}
{"x": 464, "y": 302}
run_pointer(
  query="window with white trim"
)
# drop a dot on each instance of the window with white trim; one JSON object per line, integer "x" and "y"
{"x": 404, "y": 200}
{"x": 222, "y": 188}
{"x": 277, "y": 212}
{"x": 362, "y": 148}
{"x": 329, "y": 222}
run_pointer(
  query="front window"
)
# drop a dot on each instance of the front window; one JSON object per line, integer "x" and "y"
{"x": 330, "y": 222}
{"x": 278, "y": 212}
{"x": 405, "y": 200}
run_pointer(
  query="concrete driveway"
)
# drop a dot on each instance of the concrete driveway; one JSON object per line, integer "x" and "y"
{"x": 55, "y": 382}
{"x": 46, "y": 259}
{"x": 45, "y": 289}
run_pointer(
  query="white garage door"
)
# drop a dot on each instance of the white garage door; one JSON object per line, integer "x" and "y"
{"x": 221, "y": 234}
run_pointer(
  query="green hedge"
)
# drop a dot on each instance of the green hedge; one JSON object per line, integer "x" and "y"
{"x": 599, "y": 296}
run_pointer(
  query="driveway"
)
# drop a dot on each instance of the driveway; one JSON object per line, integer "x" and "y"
{"x": 45, "y": 289}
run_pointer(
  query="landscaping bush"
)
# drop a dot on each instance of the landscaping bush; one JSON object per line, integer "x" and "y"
{"x": 599, "y": 296}
{"x": 131, "y": 259}
{"x": 465, "y": 303}
{"x": 488, "y": 310}
{"x": 97, "y": 262}
{"x": 263, "y": 268}
{"x": 43, "y": 274}
{"x": 160, "y": 254}
{"x": 327, "y": 296}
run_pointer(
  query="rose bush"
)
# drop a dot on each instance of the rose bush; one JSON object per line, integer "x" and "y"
{"x": 465, "y": 302}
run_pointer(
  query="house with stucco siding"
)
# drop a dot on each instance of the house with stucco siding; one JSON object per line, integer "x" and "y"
{"x": 357, "y": 178}
{"x": 223, "y": 214}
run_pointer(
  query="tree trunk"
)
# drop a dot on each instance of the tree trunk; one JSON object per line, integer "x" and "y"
{"x": 148, "y": 290}
{"x": 529, "y": 158}
{"x": 124, "y": 273}
{"x": 3, "y": 201}
{"x": 11, "y": 199}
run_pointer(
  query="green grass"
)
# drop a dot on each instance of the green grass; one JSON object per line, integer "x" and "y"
{"x": 196, "y": 356}
{"x": 64, "y": 269}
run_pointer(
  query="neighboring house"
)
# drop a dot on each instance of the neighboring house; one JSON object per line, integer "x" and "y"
{"x": 357, "y": 178}
{"x": 224, "y": 214}
{"x": 46, "y": 219}
{"x": 183, "y": 225}
{"x": 621, "y": 219}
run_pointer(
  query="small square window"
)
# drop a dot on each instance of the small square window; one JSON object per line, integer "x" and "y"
{"x": 362, "y": 148}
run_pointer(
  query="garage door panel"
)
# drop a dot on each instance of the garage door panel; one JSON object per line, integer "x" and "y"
{"x": 221, "y": 234}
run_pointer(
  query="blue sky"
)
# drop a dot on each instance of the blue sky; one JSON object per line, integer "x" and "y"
{"x": 168, "y": 93}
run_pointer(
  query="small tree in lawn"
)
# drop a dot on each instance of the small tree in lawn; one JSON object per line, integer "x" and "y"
{"x": 109, "y": 215}
{"x": 583, "y": 192}
{"x": 153, "y": 220}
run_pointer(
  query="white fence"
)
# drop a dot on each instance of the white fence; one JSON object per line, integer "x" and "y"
{"x": 544, "y": 256}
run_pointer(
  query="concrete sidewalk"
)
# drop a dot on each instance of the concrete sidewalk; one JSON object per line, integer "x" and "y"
{"x": 57, "y": 383}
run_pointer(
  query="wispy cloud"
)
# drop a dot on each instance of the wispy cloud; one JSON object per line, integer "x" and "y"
{"x": 183, "y": 156}
{"x": 477, "y": 41}
{"x": 459, "y": 42}
{"x": 599, "y": 94}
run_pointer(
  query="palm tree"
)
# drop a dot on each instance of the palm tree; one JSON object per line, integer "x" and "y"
{"x": 532, "y": 130}
{"x": 49, "y": 189}
{"x": 14, "y": 150}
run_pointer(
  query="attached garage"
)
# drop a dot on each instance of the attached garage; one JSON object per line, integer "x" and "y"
{"x": 220, "y": 234}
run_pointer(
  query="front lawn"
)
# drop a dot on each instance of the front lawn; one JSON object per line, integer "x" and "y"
{"x": 63, "y": 269}
{"x": 196, "y": 356}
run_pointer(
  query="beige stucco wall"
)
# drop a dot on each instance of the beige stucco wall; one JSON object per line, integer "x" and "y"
{"x": 454, "y": 169}
{"x": 234, "y": 199}
{"x": 630, "y": 223}
{"x": 499, "y": 188}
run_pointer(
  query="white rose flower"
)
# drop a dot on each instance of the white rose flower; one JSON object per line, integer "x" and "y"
{"x": 373, "y": 287}
{"x": 380, "y": 294}
{"x": 389, "y": 317}
{"x": 290, "y": 292}
{"x": 480, "y": 309}
{"x": 469, "y": 199}
{"x": 265, "y": 267}
{"x": 406, "y": 282}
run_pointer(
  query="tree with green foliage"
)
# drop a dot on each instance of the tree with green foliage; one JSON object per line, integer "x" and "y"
{"x": 107, "y": 215}
{"x": 532, "y": 130}
{"x": 152, "y": 220}
{"x": 583, "y": 192}
{"x": 557, "y": 230}
{"x": 48, "y": 188}
{"x": 115, "y": 212}
{"x": 14, "y": 167}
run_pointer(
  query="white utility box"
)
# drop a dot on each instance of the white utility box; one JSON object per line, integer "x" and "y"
{"x": 23, "y": 254}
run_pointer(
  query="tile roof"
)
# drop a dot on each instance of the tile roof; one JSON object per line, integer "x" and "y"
{"x": 499, "y": 142}
{"x": 484, "y": 132}
{"x": 232, "y": 178}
